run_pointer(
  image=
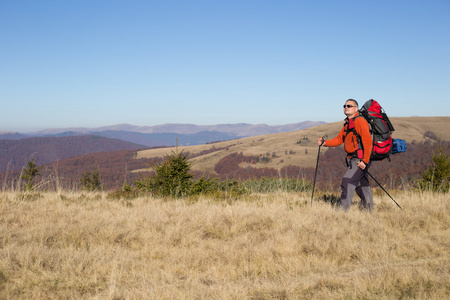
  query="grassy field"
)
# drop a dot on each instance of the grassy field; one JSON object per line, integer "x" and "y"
{"x": 263, "y": 246}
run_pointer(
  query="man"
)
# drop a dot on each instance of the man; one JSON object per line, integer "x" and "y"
{"x": 355, "y": 135}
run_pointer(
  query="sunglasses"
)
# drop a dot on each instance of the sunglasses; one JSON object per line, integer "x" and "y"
{"x": 348, "y": 106}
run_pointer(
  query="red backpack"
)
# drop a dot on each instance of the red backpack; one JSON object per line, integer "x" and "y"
{"x": 380, "y": 127}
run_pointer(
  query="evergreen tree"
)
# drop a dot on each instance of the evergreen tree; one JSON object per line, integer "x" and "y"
{"x": 91, "y": 181}
{"x": 172, "y": 175}
{"x": 29, "y": 174}
{"x": 437, "y": 177}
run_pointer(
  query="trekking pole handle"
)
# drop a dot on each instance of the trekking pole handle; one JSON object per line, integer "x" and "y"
{"x": 323, "y": 141}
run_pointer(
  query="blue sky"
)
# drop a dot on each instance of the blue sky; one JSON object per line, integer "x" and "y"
{"x": 96, "y": 63}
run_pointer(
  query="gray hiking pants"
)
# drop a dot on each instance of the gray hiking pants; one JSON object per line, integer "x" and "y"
{"x": 357, "y": 180}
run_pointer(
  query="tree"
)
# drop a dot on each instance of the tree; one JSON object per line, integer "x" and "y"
{"x": 437, "y": 177}
{"x": 91, "y": 181}
{"x": 29, "y": 174}
{"x": 172, "y": 176}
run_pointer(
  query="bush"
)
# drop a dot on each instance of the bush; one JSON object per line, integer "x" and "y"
{"x": 29, "y": 174}
{"x": 204, "y": 185}
{"x": 437, "y": 177}
{"x": 91, "y": 181}
{"x": 126, "y": 192}
{"x": 172, "y": 177}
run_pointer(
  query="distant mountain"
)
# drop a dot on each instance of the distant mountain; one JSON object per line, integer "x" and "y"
{"x": 168, "y": 134}
{"x": 12, "y": 135}
{"x": 240, "y": 129}
{"x": 168, "y": 139}
{"x": 15, "y": 153}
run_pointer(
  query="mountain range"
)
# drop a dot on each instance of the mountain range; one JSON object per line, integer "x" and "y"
{"x": 52, "y": 145}
{"x": 167, "y": 134}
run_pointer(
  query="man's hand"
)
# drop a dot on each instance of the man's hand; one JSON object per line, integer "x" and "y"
{"x": 361, "y": 165}
{"x": 321, "y": 142}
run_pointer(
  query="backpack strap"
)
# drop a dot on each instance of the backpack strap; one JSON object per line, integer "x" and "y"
{"x": 350, "y": 127}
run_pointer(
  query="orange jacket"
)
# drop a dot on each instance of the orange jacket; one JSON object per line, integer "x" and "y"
{"x": 350, "y": 141}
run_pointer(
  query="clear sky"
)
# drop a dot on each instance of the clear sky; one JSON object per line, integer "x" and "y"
{"x": 91, "y": 63}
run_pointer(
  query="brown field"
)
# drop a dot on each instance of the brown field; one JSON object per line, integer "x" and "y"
{"x": 287, "y": 150}
{"x": 263, "y": 246}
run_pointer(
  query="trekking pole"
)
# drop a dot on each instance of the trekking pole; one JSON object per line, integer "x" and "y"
{"x": 315, "y": 173}
{"x": 384, "y": 189}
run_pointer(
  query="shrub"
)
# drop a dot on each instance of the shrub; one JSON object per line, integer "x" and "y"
{"x": 29, "y": 174}
{"x": 437, "y": 177}
{"x": 172, "y": 177}
{"x": 126, "y": 192}
{"x": 204, "y": 185}
{"x": 91, "y": 181}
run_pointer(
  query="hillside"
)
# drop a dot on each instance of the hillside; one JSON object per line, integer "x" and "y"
{"x": 15, "y": 153}
{"x": 297, "y": 148}
{"x": 290, "y": 154}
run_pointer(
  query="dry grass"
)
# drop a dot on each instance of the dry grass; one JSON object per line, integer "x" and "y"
{"x": 304, "y": 154}
{"x": 273, "y": 246}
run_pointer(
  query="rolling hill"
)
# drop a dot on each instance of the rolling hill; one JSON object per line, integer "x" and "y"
{"x": 45, "y": 150}
{"x": 289, "y": 154}
{"x": 297, "y": 147}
